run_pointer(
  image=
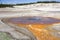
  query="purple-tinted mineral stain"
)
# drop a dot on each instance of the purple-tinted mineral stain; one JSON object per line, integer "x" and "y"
{"x": 32, "y": 20}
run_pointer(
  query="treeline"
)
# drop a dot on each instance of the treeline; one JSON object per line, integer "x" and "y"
{"x": 39, "y": 2}
{"x": 5, "y": 5}
{"x": 11, "y": 5}
{"x": 48, "y": 2}
{"x": 26, "y": 3}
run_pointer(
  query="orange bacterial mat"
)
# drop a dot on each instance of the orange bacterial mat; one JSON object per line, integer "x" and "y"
{"x": 37, "y": 25}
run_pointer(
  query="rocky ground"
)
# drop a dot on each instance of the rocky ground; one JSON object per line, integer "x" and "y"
{"x": 46, "y": 10}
